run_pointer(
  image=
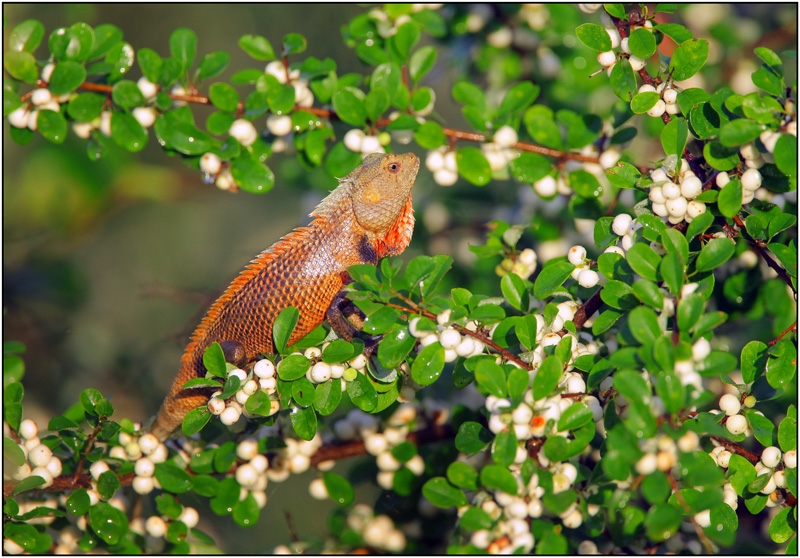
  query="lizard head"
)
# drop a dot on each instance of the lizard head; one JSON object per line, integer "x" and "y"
{"x": 381, "y": 199}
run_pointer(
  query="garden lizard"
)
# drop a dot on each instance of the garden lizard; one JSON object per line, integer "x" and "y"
{"x": 368, "y": 216}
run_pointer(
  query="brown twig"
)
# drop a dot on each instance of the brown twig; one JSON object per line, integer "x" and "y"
{"x": 755, "y": 245}
{"x": 785, "y": 332}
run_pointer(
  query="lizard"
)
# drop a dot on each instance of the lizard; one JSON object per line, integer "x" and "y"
{"x": 366, "y": 217}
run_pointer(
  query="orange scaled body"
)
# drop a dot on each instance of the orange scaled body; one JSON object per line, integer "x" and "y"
{"x": 368, "y": 216}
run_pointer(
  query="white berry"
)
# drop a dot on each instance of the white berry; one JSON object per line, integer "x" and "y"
{"x": 576, "y": 255}
{"x": 145, "y": 116}
{"x": 506, "y": 136}
{"x": 144, "y": 467}
{"x": 736, "y": 424}
{"x": 588, "y": 278}
{"x": 730, "y": 404}
{"x": 670, "y": 96}
{"x": 636, "y": 63}
{"x": 41, "y": 454}
{"x": 210, "y": 163}
{"x": 771, "y": 456}
{"x": 41, "y": 97}
{"x": 230, "y": 416}
{"x": 751, "y": 180}
{"x": 608, "y": 58}
{"x": 147, "y": 87}
{"x": 691, "y": 187}
{"x": 280, "y": 125}
{"x": 244, "y": 132}
{"x": 621, "y": 223}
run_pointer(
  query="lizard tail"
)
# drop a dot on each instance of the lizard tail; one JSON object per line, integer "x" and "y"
{"x": 176, "y": 405}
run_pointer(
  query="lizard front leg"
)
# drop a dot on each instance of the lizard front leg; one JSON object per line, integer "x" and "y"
{"x": 347, "y": 321}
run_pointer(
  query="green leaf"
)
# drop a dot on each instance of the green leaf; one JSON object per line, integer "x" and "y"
{"x": 78, "y": 502}
{"x": 106, "y": 36}
{"x": 126, "y": 94}
{"x": 623, "y": 80}
{"x": 782, "y": 364}
{"x": 13, "y": 452}
{"x": 574, "y": 416}
{"x": 246, "y": 512}
{"x": 303, "y": 392}
{"x": 120, "y": 57}
{"x": 716, "y": 363}
{"x": 462, "y": 475}
{"x": 172, "y": 478}
{"x": 150, "y": 64}
{"x": 339, "y": 488}
{"x": 763, "y": 428}
{"x": 53, "y": 126}
{"x": 688, "y": 58}
{"x": 618, "y": 295}
{"x": 739, "y": 132}
{"x": 362, "y": 393}
{"x": 675, "y": 31}
{"x": 183, "y": 47}
{"x": 430, "y": 135}
{"x": 674, "y": 136}
{"x": 428, "y": 365}
{"x": 107, "y": 484}
{"x": 648, "y": 292}
{"x": 107, "y": 522}
{"x": 491, "y": 377}
{"x": 663, "y": 521}
{"x": 551, "y": 278}
{"x": 66, "y": 77}
{"x": 766, "y": 80}
{"x": 213, "y": 64}
{"x": 181, "y": 136}
{"x": 257, "y": 47}
{"x": 349, "y": 108}
{"x": 753, "y": 361}
{"x": 729, "y": 201}
{"x": 195, "y": 420}
{"x": 585, "y": 184}
{"x": 594, "y": 36}
{"x": 473, "y": 166}
{"x": 519, "y": 98}
{"x": 292, "y": 367}
{"x": 783, "y": 526}
{"x": 421, "y": 62}
{"x": 529, "y": 167}
{"x": 498, "y": 477}
{"x": 644, "y": 261}
{"x": 690, "y": 309}
{"x": 86, "y": 107}
{"x": 504, "y": 448}
{"x": 470, "y": 94}
{"x": 252, "y": 176}
{"x": 514, "y": 290}
{"x": 642, "y": 102}
{"x": 442, "y": 494}
{"x": 223, "y": 96}
{"x": 655, "y": 487}
{"x": 127, "y": 132}
{"x": 294, "y": 43}
{"x": 715, "y": 253}
{"x": 785, "y": 154}
{"x": 214, "y": 360}
{"x": 304, "y": 420}
{"x": 542, "y": 127}
{"x": 72, "y": 43}
{"x": 547, "y": 377}
{"x": 699, "y": 225}
{"x": 642, "y": 43}
{"x": 472, "y": 437}
{"x": 787, "y": 434}
{"x": 720, "y": 157}
{"x": 643, "y": 324}
{"x": 26, "y": 36}
{"x": 21, "y": 65}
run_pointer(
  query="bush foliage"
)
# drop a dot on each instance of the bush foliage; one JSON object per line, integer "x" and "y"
{"x": 593, "y": 400}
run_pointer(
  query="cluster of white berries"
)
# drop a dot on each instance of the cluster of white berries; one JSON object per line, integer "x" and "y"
{"x": 751, "y": 182}
{"x": 524, "y": 264}
{"x": 146, "y": 451}
{"x": 442, "y": 163}
{"x": 262, "y": 377}
{"x": 155, "y": 527}
{"x": 357, "y": 141}
{"x": 661, "y": 452}
{"x": 609, "y": 58}
{"x": 452, "y": 341}
{"x": 667, "y": 103}
{"x": 548, "y": 186}
{"x": 582, "y": 273}
{"x": 674, "y": 201}
{"x": 379, "y": 439}
{"x": 40, "y": 459}
{"x": 377, "y": 531}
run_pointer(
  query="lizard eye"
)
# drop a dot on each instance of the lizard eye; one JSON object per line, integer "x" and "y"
{"x": 394, "y": 168}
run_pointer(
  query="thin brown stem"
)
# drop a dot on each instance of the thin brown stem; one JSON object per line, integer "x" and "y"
{"x": 756, "y": 246}
{"x": 783, "y": 334}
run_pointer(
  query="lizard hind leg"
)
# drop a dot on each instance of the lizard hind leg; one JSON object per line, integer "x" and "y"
{"x": 347, "y": 321}
{"x": 235, "y": 353}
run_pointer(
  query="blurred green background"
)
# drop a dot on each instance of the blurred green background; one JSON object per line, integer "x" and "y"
{"x": 109, "y": 265}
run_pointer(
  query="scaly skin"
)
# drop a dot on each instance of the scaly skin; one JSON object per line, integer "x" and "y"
{"x": 368, "y": 216}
